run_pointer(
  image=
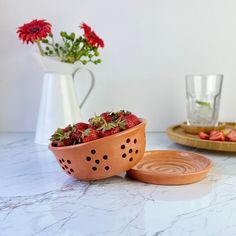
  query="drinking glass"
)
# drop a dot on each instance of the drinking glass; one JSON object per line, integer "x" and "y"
{"x": 203, "y": 94}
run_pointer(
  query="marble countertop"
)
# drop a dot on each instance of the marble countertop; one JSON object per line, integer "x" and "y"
{"x": 37, "y": 198}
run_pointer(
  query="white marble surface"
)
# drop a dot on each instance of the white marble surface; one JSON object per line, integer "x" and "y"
{"x": 37, "y": 198}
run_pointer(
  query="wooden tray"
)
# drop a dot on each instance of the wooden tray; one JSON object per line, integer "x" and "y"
{"x": 197, "y": 129}
{"x": 177, "y": 134}
{"x": 170, "y": 167}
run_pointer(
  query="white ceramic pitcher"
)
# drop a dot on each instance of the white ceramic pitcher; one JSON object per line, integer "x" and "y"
{"x": 59, "y": 106}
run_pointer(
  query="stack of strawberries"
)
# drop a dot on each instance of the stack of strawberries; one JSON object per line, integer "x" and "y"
{"x": 220, "y": 135}
{"x": 106, "y": 124}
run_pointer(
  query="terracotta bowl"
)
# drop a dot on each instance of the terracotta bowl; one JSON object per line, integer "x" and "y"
{"x": 104, "y": 157}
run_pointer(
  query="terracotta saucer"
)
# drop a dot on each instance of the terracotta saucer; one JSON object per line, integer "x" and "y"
{"x": 171, "y": 167}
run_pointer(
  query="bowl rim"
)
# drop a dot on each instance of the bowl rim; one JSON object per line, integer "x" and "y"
{"x": 143, "y": 123}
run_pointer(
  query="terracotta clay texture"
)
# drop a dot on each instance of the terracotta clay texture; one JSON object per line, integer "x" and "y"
{"x": 104, "y": 157}
{"x": 171, "y": 168}
{"x": 178, "y": 135}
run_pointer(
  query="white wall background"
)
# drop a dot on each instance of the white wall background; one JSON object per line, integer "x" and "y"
{"x": 149, "y": 47}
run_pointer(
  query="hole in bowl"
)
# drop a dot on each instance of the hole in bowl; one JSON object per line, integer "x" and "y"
{"x": 105, "y": 157}
{"x": 107, "y": 168}
{"x": 124, "y": 155}
{"x": 127, "y": 140}
{"x": 130, "y": 150}
{"x": 93, "y": 151}
{"x": 66, "y": 166}
{"x": 136, "y": 152}
{"x": 131, "y": 159}
{"x": 94, "y": 168}
{"x": 97, "y": 161}
{"x": 68, "y": 161}
{"x": 63, "y": 167}
{"x": 63, "y": 160}
{"x": 71, "y": 170}
{"x": 135, "y": 140}
{"x": 122, "y": 146}
{"x": 68, "y": 172}
{"x": 88, "y": 158}
{"x": 60, "y": 161}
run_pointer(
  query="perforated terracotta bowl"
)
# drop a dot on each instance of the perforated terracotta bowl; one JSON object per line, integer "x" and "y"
{"x": 104, "y": 157}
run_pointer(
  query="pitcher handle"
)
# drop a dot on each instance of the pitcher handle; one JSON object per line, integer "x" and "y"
{"x": 91, "y": 85}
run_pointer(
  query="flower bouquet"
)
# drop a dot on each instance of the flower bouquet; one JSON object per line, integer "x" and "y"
{"x": 72, "y": 48}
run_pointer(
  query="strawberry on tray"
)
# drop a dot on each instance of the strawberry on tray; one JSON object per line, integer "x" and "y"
{"x": 217, "y": 138}
{"x": 99, "y": 126}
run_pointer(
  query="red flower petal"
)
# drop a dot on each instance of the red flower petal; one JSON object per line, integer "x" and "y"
{"x": 86, "y": 28}
{"x": 91, "y": 36}
{"x": 35, "y": 30}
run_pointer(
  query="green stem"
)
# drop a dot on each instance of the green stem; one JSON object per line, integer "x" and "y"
{"x": 81, "y": 51}
{"x": 40, "y": 48}
{"x": 53, "y": 45}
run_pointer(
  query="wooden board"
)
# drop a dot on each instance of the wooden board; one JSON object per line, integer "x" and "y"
{"x": 168, "y": 167}
{"x": 197, "y": 129}
{"x": 177, "y": 134}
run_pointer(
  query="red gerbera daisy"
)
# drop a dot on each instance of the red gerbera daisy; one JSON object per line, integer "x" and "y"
{"x": 34, "y": 31}
{"x": 86, "y": 28}
{"x": 91, "y": 36}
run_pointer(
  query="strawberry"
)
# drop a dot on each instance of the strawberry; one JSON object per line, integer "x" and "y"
{"x": 126, "y": 124}
{"x": 232, "y": 135}
{"x": 69, "y": 141}
{"x": 78, "y": 129}
{"x": 106, "y": 116}
{"x": 96, "y": 122}
{"x": 203, "y": 135}
{"x": 81, "y": 126}
{"x": 104, "y": 133}
{"x": 213, "y": 132}
{"x": 133, "y": 118}
{"x": 63, "y": 137}
{"x": 108, "y": 129}
{"x": 60, "y": 144}
{"x": 128, "y": 121}
{"x": 217, "y": 136}
{"x": 89, "y": 134}
{"x": 66, "y": 129}
{"x": 119, "y": 115}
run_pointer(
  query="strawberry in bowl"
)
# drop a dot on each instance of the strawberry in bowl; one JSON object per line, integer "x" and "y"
{"x": 109, "y": 144}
